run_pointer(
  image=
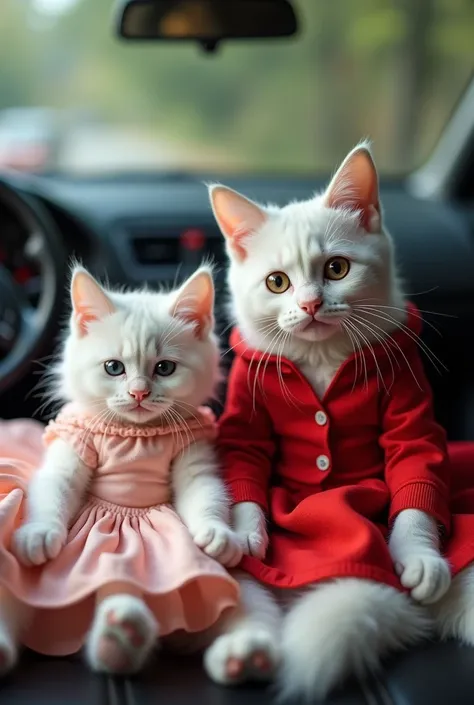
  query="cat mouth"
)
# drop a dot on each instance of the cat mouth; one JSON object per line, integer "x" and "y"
{"x": 140, "y": 409}
{"x": 317, "y": 324}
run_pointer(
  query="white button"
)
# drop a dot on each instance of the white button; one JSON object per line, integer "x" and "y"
{"x": 322, "y": 461}
{"x": 321, "y": 418}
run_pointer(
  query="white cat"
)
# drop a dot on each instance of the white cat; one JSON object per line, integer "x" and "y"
{"x": 138, "y": 359}
{"x": 345, "y": 626}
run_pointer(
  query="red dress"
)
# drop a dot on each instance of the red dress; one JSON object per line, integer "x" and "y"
{"x": 333, "y": 473}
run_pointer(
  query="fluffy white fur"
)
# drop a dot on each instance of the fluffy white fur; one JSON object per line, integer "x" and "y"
{"x": 342, "y": 627}
{"x": 454, "y": 614}
{"x": 139, "y": 330}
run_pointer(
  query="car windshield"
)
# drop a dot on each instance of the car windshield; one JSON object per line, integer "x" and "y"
{"x": 76, "y": 99}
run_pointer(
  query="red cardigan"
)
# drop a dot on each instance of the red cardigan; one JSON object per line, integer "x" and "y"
{"x": 332, "y": 473}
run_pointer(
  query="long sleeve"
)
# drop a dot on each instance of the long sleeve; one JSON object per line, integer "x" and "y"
{"x": 416, "y": 461}
{"x": 246, "y": 441}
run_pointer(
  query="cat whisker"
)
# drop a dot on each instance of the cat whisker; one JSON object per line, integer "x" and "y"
{"x": 380, "y": 337}
{"x": 108, "y": 419}
{"x": 268, "y": 351}
{"x": 392, "y": 342}
{"x": 100, "y": 416}
{"x": 278, "y": 341}
{"x": 274, "y": 328}
{"x": 354, "y": 342}
{"x": 435, "y": 361}
{"x": 380, "y": 308}
{"x": 277, "y": 338}
{"x": 360, "y": 347}
{"x": 176, "y": 276}
{"x": 271, "y": 324}
{"x": 399, "y": 308}
{"x": 182, "y": 424}
{"x": 189, "y": 409}
{"x": 168, "y": 419}
{"x": 227, "y": 328}
{"x": 242, "y": 341}
{"x": 263, "y": 376}
{"x": 369, "y": 308}
{"x": 370, "y": 347}
{"x": 285, "y": 390}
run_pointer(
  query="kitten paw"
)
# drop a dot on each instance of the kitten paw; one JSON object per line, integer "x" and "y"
{"x": 37, "y": 542}
{"x": 219, "y": 541}
{"x": 245, "y": 655}
{"x": 427, "y": 577}
{"x": 251, "y": 528}
{"x": 255, "y": 544}
{"x": 122, "y": 636}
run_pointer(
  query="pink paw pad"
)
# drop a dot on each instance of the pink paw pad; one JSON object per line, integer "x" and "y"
{"x": 112, "y": 654}
{"x": 128, "y": 628}
{"x": 257, "y": 662}
{"x": 261, "y": 662}
{"x": 235, "y": 667}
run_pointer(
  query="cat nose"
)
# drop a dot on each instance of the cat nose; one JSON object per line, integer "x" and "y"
{"x": 310, "y": 307}
{"x": 139, "y": 394}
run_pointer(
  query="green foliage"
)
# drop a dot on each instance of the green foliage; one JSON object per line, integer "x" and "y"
{"x": 357, "y": 69}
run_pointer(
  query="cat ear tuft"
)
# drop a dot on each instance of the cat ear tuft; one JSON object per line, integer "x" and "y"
{"x": 237, "y": 216}
{"x": 194, "y": 302}
{"x": 89, "y": 301}
{"x": 355, "y": 187}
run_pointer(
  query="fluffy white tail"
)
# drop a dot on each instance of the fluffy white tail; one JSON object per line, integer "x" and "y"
{"x": 344, "y": 628}
{"x": 454, "y": 614}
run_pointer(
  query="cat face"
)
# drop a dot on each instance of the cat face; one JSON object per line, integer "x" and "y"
{"x": 140, "y": 355}
{"x": 297, "y": 272}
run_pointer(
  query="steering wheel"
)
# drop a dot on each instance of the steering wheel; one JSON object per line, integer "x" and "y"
{"x": 24, "y": 329}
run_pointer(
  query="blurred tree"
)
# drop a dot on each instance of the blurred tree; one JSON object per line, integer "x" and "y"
{"x": 389, "y": 69}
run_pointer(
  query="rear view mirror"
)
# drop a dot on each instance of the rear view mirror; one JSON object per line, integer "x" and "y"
{"x": 205, "y": 21}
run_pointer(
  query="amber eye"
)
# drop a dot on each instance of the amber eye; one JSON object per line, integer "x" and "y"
{"x": 337, "y": 268}
{"x": 278, "y": 282}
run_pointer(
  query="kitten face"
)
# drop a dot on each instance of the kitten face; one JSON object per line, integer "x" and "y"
{"x": 296, "y": 273}
{"x": 140, "y": 356}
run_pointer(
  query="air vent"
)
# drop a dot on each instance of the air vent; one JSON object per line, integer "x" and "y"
{"x": 165, "y": 246}
{"x": 156, "y": 251}
{"x": 152, "y": 249}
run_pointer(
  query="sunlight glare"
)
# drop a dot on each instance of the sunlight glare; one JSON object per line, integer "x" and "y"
{"x": 53, "y": 7}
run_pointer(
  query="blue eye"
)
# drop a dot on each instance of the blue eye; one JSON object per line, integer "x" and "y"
{"x": 165, "y": 368}
{"x": 114, "y": 368}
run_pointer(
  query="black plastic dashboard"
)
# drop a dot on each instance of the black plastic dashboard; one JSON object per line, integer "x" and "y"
{"x": 146, "y": 228}
{"x": 434, "y": 241}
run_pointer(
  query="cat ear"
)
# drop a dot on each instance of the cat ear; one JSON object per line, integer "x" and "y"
{"x": 195, "y": 302}
{"x": 355, "y": 186}
{"x": 237, "y": 217}
{"x": 89, "y": 301}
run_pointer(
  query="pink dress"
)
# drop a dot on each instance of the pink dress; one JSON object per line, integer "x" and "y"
{"x": 126, "y": 530}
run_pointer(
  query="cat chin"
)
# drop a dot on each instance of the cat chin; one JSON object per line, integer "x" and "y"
{"x": 316, "y": 331}
{"x": 139, "y": 415}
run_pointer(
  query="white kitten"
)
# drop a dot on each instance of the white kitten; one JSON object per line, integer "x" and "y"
{"x": 344, "y": 626}
{"x": 108, "y": 331}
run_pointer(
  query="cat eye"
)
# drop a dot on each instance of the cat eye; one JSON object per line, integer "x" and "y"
{"x": 165, "y": 368}
{"x": 336, "y": 268}
{"x": 278, "y": 282}
{"x": 114, "y": 368}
